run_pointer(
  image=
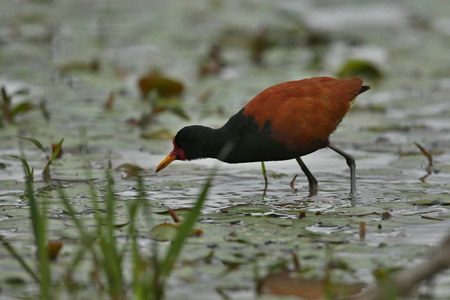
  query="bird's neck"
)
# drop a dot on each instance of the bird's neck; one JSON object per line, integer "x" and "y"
{"x": 207, "y": 143}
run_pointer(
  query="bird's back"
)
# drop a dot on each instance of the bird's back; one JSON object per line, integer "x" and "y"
{"x": 302, "y": 114}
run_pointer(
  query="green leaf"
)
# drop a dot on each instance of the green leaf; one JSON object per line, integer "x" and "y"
{"x": 35, "y": 142}
{"x": 367, "y": 70}
{"x": 164, "y": 232}
{"x": 22, "y": 91}
{"x": 179, "y": 111}
{"x": 56, "y": 150}
{"x": 19, "y": 259}
{"x": 20, "y": 108}
{"x": 6, "y": 98}
{"x": 39, "y": 224}
{"x": 130, "y": 170}
{"x": 29, "y": 172}
{"x": 46, "y": 174}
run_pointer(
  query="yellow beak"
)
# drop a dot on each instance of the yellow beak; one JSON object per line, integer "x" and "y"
{"x": 170, "y": 158}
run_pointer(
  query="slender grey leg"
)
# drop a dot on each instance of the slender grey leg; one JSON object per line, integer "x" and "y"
{"x": 311, "y": 179}
{"x": 351, "y": 164}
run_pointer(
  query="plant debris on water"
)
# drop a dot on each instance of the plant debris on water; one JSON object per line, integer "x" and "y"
{"x": 92, "y": 93}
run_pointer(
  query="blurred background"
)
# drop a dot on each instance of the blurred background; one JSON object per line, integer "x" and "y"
{"x": 165, "y": 64}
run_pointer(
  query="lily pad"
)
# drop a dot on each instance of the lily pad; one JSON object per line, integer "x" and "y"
{"x": 164, "y": 232}
{"x": 362, "y": 68}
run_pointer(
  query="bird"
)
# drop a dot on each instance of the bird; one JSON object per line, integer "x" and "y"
{"x": 285, "y": 121}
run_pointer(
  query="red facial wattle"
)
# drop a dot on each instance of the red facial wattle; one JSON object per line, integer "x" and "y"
{"x": 176, "y": 154}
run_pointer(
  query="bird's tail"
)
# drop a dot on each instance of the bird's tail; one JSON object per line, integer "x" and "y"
{"x": 363, "y": 89}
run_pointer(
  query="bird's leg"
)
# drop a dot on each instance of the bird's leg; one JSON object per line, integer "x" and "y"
{"x": 311, "y": 179}
{"x": 263, "y": 167}
{"x": 351, "y": 164}
{"x": 266, "y": 182}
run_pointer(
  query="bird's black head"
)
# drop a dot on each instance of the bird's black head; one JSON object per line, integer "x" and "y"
{"x": 194, "y": 141}
{"x": 191, "y": 142}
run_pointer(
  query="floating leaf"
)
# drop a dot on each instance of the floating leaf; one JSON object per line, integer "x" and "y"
{"x": 158, "y": 134}
{"x": 53, "y": 248}
{"x": 286, "y": 284}
{"x": 168, "y": 231}
{"x": 159, "y": 210}
{"x": 164, "y": 232}
{"x": 362, "y": 68}
{"x": 164, "y": 87}
{"x": 277, "y": 175}
{"x": 280, "y": 221}
{"x": 120, "y": 225}
{"x": 212, "y": 63}
{"x": 174, "y": 105}
{"x": 259, "y": 45}
{"x": 109, "y": 100}
{"x": 130, "y": 170}
{"x": 83, "y": 66}
{"x": 431, "y": 218}
{"x": 431, "y": 202}
{"x": 196, "y": 232}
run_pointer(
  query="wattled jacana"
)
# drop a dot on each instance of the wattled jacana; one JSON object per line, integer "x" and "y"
{"x": 285, "y": 121}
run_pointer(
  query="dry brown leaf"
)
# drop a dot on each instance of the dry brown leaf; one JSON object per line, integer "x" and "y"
{"x": 362, "y": 230}
{"x": 53, "y": 248}
{"x": 286, "y": 283}
{"x": 164, "y": 86}
{"x": 110, "y": 100}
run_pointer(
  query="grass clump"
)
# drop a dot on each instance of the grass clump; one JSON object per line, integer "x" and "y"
{"x": 122, "y": 268}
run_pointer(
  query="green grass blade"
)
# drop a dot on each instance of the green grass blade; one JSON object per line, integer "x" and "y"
{"x": 46, "y": 174}
{"x": 184, "y": 230}
{"x": 71, "y": 211}
{"x": 87, "y": 239}
{"x": 5, "y": 97}
{"x": 112, "y": 258}
{"x": 136, "y": 255}
{"x": 143, "y": 274}
{"x": 20, "y": 108}
{"x": 19, "y": 259}
{"x": 28, "y": 172}
{"x": 56, "y": 151}
{"x": 35, "y": 142}
{"x": 38, "y": 221}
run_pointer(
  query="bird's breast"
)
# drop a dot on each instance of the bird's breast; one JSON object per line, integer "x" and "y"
{"x": 252, "y": 143}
